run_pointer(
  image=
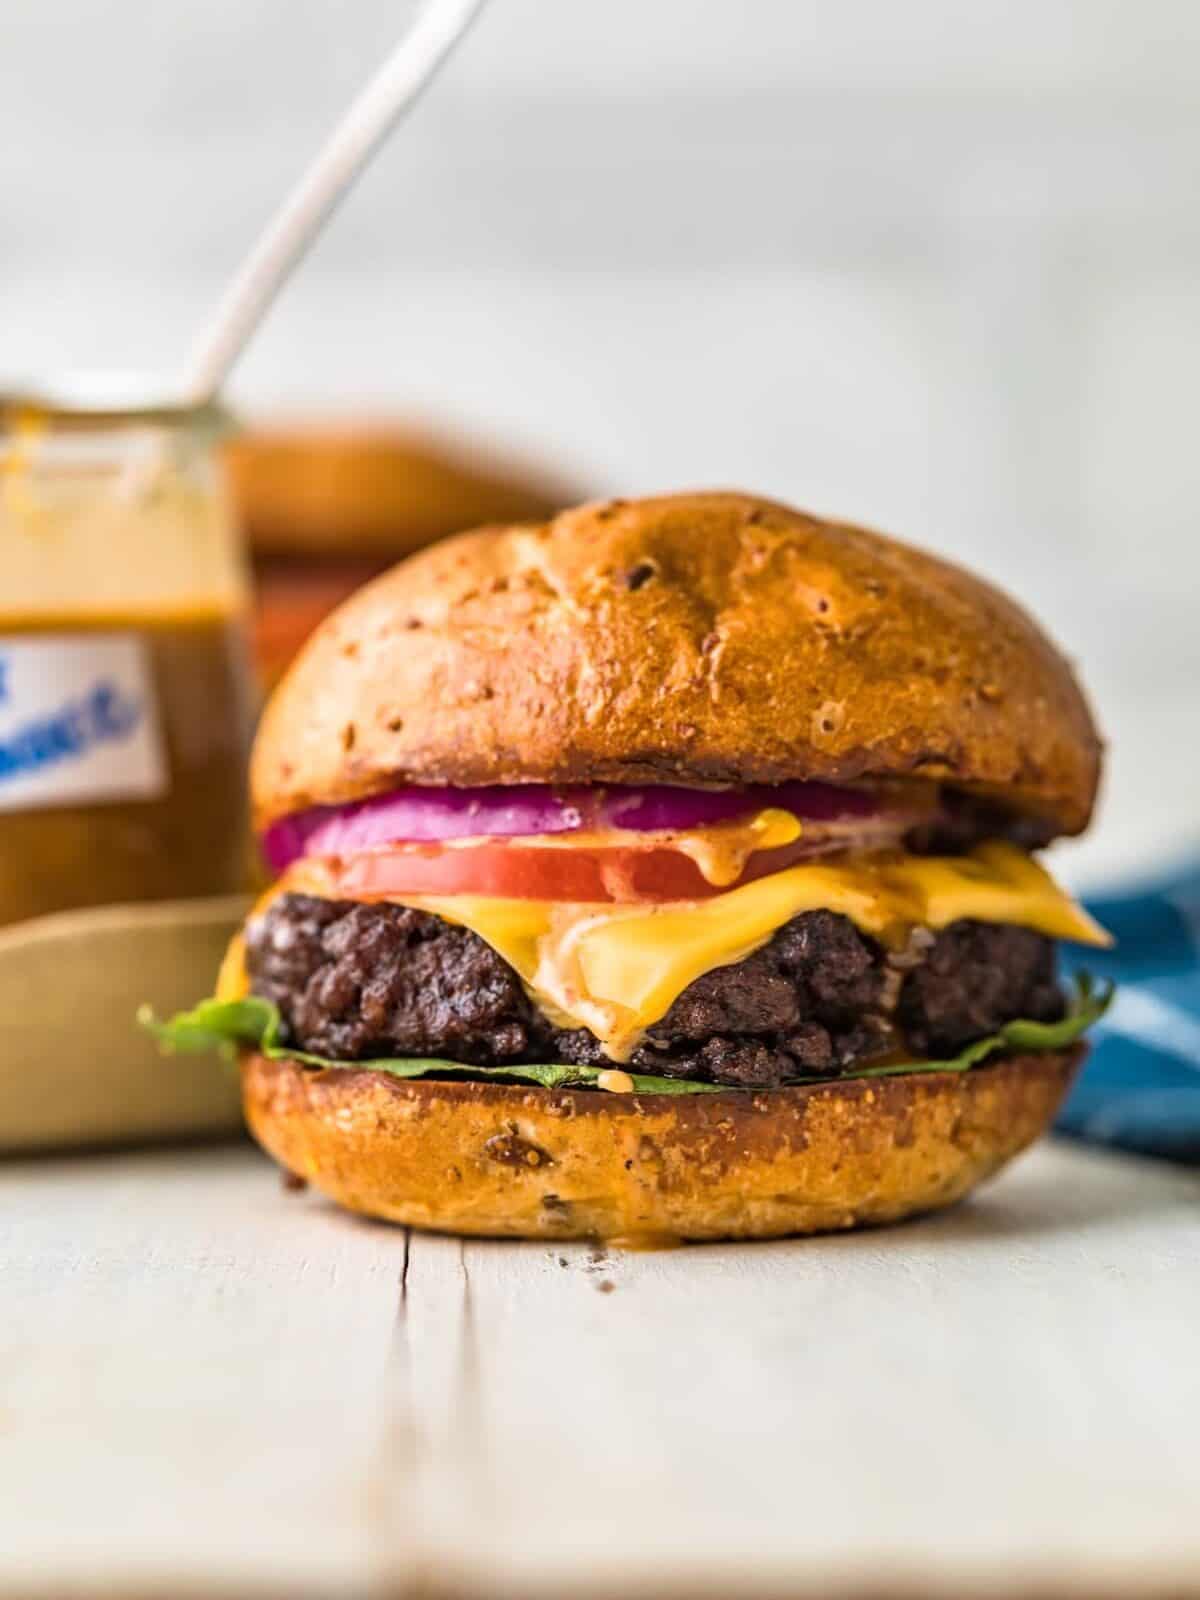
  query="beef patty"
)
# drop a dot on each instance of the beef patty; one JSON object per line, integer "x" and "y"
{"x": 353, "y": 981}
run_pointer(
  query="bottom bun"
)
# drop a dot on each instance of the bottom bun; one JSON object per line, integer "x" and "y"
{"x": 528, "y": 1163}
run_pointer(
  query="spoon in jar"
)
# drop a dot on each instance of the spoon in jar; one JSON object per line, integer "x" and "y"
{"x": 393, "y": 90}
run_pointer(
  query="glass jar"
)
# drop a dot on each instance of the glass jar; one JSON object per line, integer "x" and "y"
{"x": 124, "y": 693}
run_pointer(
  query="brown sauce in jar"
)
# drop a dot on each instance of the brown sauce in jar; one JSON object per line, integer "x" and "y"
{"x": 125, "y": 700}
{"x": 187, "y": 838}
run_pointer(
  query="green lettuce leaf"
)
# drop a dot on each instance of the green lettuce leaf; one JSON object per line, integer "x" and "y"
{"x": 224, "y": 1025}
{"x": 1087, "y": 1001}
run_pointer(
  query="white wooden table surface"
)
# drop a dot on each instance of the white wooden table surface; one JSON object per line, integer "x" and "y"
{"x": 209, "y": 1386}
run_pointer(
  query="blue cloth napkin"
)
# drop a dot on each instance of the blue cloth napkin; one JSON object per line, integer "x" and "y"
{"x": 1140, "y": 1089}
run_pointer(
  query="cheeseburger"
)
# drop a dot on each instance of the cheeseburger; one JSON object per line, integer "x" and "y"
{"x": 666, "y": 869}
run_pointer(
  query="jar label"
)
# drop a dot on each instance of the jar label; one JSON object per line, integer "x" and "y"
{"x": 78, "y": 721}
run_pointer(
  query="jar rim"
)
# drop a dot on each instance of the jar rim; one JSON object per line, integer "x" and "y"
{"x": 106, "y": 399}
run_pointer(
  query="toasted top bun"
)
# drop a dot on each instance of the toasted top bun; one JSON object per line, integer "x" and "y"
{"x": 700, "y": 639}
{"x": 338, "y": 489}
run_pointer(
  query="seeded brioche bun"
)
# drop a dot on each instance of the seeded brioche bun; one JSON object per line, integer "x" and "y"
{"x": 484, "y": 1159}
{"x": 699, "y": 639}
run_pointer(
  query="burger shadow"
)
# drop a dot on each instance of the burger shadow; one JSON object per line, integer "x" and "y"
{"x": 1098, "y": 1190}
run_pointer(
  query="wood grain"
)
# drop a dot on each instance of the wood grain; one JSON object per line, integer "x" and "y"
{"x": 210, "y": 1386}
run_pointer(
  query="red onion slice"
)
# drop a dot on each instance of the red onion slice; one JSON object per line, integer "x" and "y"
{"x": 660, "y": 809}
{"x": 423, "y": 816}
{"x": 426, "y": 816}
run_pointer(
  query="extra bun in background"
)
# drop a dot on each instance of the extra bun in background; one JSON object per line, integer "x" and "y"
{"x": 480, "y": 1158}
{"x": 696, "y": 639}
{"x": 326, "y": 505}
{"x": 372, "y": 489}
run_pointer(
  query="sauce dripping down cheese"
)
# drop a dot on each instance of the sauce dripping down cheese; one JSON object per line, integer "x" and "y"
{"x": 616, "y": 969}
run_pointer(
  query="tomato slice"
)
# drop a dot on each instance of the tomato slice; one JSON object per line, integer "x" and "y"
{"x": 519, "y": 871}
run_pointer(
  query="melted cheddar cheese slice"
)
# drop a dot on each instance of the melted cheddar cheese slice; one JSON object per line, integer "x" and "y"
{"x": 616, "y": 969}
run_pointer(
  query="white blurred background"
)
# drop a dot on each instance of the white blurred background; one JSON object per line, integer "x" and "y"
{"x": 929, "y": 265}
